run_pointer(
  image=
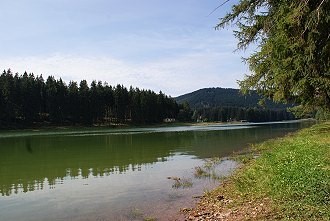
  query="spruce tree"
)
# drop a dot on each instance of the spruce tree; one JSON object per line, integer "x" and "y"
{"x": 292, "y": 63}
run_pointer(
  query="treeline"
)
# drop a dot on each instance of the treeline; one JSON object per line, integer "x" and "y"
{"x": 227, "y": 114}
{"x": 27, "y": 99}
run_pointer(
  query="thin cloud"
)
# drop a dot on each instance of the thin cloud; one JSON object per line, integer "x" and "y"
{"x": 174, "y": 76}
{"x": 158, "y": 45}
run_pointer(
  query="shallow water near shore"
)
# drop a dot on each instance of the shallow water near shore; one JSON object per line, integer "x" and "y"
{"x": 116, "y": 174}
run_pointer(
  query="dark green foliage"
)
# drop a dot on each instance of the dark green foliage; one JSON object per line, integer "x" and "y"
{"x": 293, "y": 60}
{"x": 185, "y": 113}
{"x": 227, "y": 114}
{"x": 26, "y": 100}
{"x": 225, "y": 97}
{"x": 226, "y": 104}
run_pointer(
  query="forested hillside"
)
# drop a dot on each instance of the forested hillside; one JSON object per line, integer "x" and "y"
{"x": 27, "y": 99}
{"x": 226, "y": 104}
{"x": 225, "y": 97}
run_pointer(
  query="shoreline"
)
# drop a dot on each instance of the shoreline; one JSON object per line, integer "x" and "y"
{"x": 64, "y": 130}
{"x": 274, "y": 185}
{"x": 45, "y": 126}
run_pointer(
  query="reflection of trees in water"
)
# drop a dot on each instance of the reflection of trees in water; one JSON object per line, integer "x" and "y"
{"x": 28, "y": 164}
{"x": 28, "y": 146}
{"x": 27, "y": 185}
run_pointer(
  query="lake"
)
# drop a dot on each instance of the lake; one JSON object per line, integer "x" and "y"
{"x": 116, "y": 174}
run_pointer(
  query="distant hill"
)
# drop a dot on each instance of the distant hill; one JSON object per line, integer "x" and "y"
{"x": 225, "y": 97}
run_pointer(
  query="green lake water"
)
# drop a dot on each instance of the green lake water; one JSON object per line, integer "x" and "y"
{"x": 115, "y": 174}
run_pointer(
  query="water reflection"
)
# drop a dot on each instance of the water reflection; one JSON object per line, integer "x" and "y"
{"x": 29, "y": 163}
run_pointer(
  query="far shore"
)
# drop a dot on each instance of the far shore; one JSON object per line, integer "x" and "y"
{"x": 46, "y": 126}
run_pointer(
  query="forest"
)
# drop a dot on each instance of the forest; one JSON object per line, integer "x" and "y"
{"x": 228, "y": 104}
{"x": 250, "y": 114}
{"x": 28, "y": 100}
{"x": 226, "y": 97}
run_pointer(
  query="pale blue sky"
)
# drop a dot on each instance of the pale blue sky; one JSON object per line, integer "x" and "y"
{"x": 167, "y": 45}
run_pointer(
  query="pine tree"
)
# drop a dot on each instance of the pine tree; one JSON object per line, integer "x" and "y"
{"x": 293, "y": 63}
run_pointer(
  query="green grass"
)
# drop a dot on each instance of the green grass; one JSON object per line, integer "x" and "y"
{"x": 293, "y": 172}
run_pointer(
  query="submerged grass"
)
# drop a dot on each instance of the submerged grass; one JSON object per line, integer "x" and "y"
{"x": 290, "y": 180}
{"x": 137, "y": 214}
{"x": 208, "y": 170}
{"x": 182, "y": 183}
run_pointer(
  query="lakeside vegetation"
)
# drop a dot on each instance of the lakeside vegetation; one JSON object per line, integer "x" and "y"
{"x": 226, "y": 97}
{"x": 289, "y": 180}
{"x": 27, "y": 99}
{"x": 228, "y": 104}
{"x": 229, "y": 114}
{"x": 291, "y": 60}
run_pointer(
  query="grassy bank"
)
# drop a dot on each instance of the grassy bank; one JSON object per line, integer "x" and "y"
{"x": 290, "y": 180}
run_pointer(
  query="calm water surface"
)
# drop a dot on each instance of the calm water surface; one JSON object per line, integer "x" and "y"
{"x": 115, "y": 174}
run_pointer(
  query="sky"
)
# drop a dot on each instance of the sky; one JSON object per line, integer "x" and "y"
{"x": 162, "y": 45}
